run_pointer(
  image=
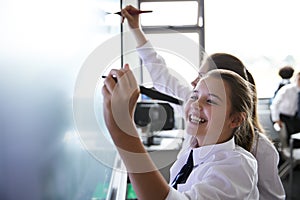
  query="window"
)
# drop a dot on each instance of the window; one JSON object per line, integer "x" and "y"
{"x": 184, "y": 17}
{"x": 176, "y": 13}
{"x": 263, "y": 34}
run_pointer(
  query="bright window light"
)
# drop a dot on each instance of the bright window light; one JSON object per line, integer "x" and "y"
{"x": 263, "y": 34}
{"x": 177, "y": 13}
{"x": 180, "y": 66}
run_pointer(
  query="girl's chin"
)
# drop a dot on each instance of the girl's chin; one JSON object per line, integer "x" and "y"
{"x": 193, "y": 131}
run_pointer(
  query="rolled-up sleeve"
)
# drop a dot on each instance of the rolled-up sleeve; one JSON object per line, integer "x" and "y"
{"x": 162, "y": 79}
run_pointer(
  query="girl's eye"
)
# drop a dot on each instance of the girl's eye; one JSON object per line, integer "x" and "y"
{"x": 193, "y": 97}
{"x": 211, "y": 102}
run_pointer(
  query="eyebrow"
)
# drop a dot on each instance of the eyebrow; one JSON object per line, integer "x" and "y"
{"x": 216, "y": 96}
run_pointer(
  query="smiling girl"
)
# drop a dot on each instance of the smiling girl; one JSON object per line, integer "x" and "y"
{"x": 218, "y": 116}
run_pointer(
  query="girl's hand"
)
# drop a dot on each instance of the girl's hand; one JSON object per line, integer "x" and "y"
{"x": 120, "y": 101}
{"x": 133, "y": 20}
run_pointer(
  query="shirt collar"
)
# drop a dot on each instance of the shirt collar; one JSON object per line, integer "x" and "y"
{"x": 200, "y": 154}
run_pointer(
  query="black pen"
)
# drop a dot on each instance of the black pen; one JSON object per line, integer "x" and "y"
{"x": 133, "y": 12}
{"x": 154, "y": 94}
{"x": 115, "y": 78}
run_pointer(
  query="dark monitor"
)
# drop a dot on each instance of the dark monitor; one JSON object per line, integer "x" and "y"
{"x": 159, "y": 115}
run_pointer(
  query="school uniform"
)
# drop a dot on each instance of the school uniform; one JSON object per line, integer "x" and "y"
{"x": 282, "y": 83}
{"x": 285, "y": 108}
{"x": 221, "y": 171}
{"x": 269, "y": 183}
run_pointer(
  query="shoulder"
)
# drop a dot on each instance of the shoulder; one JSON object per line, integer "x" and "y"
{"x": 288, "y": 87}
{"x": 264, "y": 149}
{"x": 236, "y": 158}
{"x": 235, "y": 169}
{"x": 229, "y": 158}
{"x": 285, "y": 89}
{"x": 262, "y": 142}
{"x": 242, "y": 154}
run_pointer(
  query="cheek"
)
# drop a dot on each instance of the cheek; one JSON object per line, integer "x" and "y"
{"x": 218, "y": 117}
{"x": 186, "y": 109}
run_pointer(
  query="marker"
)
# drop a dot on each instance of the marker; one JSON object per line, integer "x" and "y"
{"x": 154, "y": 94}
{"x": 132, "y": 12}
{"x": 115, "y": 78}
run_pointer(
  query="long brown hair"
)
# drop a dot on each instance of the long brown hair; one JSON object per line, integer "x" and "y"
{"x": 242, "y": 102}
{"x": 232, "y": 63}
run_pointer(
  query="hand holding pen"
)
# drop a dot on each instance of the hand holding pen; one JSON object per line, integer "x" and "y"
{"x": 150, "y": 92}
{"x": 134, "y": 12}
{"x": 132, "y": 15}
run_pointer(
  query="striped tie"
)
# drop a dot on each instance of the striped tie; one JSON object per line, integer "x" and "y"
{"x": 185, "y": 171}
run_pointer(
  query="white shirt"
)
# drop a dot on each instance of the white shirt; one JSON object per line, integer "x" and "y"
{"x": 221, "y": 171}
{"x": 285, "y": 101}
{"x": 269, "y": 183}
{"x": 162, "y": 79}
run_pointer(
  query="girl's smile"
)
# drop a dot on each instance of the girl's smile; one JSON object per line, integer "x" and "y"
{"x": 208, "y": 111}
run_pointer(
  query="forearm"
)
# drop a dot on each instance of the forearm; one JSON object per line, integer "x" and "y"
{"x": 146, "y": 179}
{"x": 134, "y": 24}
{"x": 119, "y": 103}
{"x": 274, "y": 112}
{"x": 149, "y": 185}
{"x": 139, "y": 36}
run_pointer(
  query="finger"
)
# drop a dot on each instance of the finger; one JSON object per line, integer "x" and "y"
{"x": 123, "y": 82}
{"x": 131, "y": 79}
{"x": 126, "y": 81}
{"x": 106, "y": 96}
{"x": 105, "y": 92}
{"x": 126, "y": 14}
{"x": 126, "y": 66}
{"x": 126, "y": 76}
{"x": 117, "y": 73}
{"x": 130, "y": 8}
{"x": 109, "y": 83}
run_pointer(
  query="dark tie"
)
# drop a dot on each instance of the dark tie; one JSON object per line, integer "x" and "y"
{"x": 298, "y": 111}
{"x": 185, "y": 171}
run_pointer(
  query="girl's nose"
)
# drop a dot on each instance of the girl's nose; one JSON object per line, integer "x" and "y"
{"x": 194, "y": 82}
{"x": 197, "y": 104}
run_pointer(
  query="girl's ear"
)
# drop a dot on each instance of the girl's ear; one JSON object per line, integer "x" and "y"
{"x": 237, "y": 119}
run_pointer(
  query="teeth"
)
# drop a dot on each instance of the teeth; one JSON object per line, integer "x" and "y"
{"x": 195, "y": 119}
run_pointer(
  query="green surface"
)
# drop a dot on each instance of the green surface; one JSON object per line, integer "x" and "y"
{"x": 130, "y": 192}
{"x": 100, "y": 192}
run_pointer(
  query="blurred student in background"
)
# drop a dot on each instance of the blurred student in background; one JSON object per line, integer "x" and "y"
{"x": 286, "y": 73}
{"x": 285, "y": 108}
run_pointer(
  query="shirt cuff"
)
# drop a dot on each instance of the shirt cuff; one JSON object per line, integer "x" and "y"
{"x": 146, "y": 52}
{"x": 175, "y": 195}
